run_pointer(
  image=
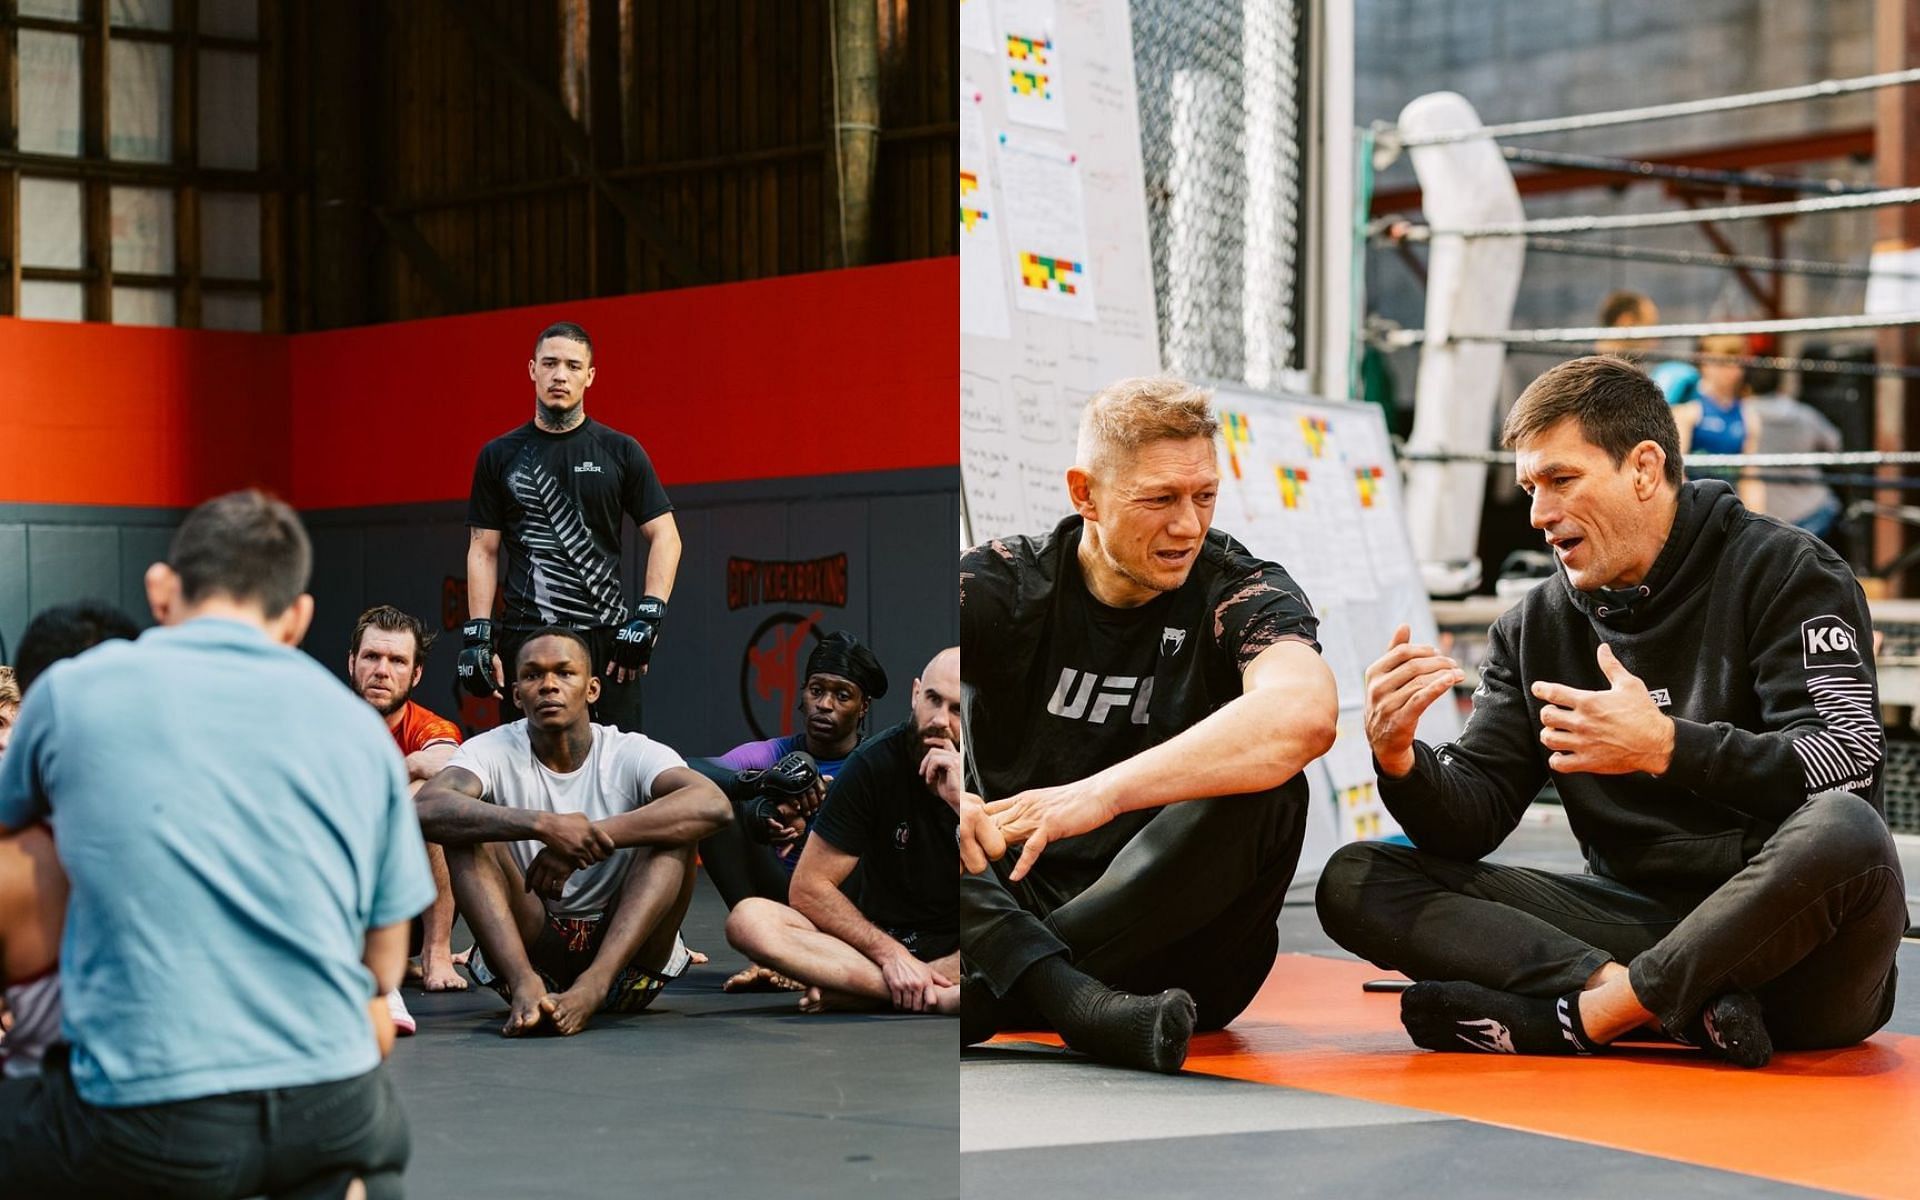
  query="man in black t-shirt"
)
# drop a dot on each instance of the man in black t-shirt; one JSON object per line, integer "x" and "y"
{"x": 1142, "y": 694}
{"x": 554, "y": 491}
{"x": 892, "y": 811}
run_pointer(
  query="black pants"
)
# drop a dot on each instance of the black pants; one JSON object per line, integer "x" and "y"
{"x": 619, "y": 703}
{"x": 1185, "y": 896}
{"x": 738, "y": 866}
{"x": 303, "y": 1142}
{"x": 1810, "y": 925}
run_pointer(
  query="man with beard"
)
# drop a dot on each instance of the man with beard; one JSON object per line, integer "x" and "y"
{"x": 384, "y": 664}
{"x": 777, "y": 785}
{"x": 892, "y": 812}
{"x": 1143, "y": 694}
{"x": 554, "y": 491}
{"x": 571, "y": 847}
{"x": 1697, "y": 682}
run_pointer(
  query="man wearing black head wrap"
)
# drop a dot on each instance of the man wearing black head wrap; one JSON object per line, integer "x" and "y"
{"x": 777, "y": 785}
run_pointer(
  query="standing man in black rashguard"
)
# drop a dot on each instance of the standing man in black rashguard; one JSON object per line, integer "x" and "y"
{"x": 554, "y": 490}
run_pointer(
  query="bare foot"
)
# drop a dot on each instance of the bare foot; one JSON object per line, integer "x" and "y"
{"x": 528, "y": 1011}
{"x": 460, "y": 958}
{"x": 812, "y": 1002}
{"x": 947, "y": 1001}
{"x": 414, "y": 971}
{"x": 571, "y": 1009}
{"x": 757, "y": 978}
{"x": 697, "y": 957}
{"x": 439, "y": 976}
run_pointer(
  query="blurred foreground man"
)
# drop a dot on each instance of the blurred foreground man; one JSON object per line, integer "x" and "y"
{"x": 239, "y": 904}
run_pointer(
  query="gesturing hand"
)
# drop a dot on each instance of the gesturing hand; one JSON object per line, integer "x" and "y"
{"x": 1615, "y": 732}
{"x": 1401, "y": 684}
{"x": 1036, "y": 818}
{"x": 980, "y": 840}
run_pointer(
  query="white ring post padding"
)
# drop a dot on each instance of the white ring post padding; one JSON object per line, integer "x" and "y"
{"x": 1459, "y": 382}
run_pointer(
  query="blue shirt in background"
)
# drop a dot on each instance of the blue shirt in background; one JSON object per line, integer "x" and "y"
{"x": 233, "y": 821}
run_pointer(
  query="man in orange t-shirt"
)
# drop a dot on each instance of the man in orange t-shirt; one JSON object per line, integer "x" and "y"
{"x": 384, "y": 665}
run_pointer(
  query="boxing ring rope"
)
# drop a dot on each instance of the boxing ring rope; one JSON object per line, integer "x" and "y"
{"x": 1702, "y": 258}
{"x": 1641, "y": 168}
{"x": 1397, "y": 338}
{"x": 1399, "y": 228}
{"x": 1388, "y": 139}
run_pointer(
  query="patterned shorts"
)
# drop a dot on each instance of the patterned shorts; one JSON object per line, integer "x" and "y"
{"x": 566, "y": 947}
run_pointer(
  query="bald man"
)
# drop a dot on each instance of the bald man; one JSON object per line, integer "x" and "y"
{"x": 893, "y": 810}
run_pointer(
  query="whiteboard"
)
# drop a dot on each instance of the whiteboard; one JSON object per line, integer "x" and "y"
{"x": 1312, "y": 485}
{"x": 1056, "y": 278}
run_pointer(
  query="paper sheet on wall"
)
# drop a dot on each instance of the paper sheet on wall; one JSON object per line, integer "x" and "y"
{"x": 1031, "y": 68}
{"x": 1046, "y": 228}
{"x": 983, "y": 279}
{"x": 976, "y": 26}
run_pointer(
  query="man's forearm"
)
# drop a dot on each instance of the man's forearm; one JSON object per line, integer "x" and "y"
{"x": 455, "y": 820}
{"x": 663, "y": 562}
{"x": 483, "y": 569}
{"x": 1255, "y": 742}
{"x": 679, "y": 818}
{"x": 831, "y": 912}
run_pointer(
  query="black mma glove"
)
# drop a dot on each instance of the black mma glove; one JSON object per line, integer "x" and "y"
{"x": 633, "y": 642}
{"x": 784, "y": 783}
{"x": 476, "y": 657}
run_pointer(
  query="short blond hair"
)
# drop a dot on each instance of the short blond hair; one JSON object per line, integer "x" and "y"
{"x": 9, "y": 687}
{"x": 1122, "y": 417}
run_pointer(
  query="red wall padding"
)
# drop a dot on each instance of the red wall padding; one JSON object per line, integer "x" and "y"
{"x": 821, "y": 374}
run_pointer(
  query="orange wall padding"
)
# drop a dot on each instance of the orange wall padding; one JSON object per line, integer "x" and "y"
{"x": 112, "y": 414}
{"x": 822, "y": 374}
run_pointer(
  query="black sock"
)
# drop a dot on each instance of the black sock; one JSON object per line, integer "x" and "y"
{"x": 1466, "y": 1017}
{"x": 1149, "y": 1033}
{"x": 978, "y": 1021}
{"x": 1730, "y": 1028}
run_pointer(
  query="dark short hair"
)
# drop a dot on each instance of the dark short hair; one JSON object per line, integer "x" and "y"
{"x": 393, "y": 620}
{"x": 564, "y": 329}
{"x": 560, "y": 631}
{"x": 1621, "y": 304}
{"x": 64, "y": 631}
{"x": 1617, "y": 406}
{"x": 247, "y": 545}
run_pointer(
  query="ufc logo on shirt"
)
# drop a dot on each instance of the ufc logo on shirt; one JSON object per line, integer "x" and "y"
{"x": 1096, "y": 697}
{"x": 1829, "y": 642}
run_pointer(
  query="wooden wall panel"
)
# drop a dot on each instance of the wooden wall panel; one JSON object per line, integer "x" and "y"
{"x": 725, "y": 145}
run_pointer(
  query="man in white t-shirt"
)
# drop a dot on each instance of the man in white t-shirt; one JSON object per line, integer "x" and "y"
{"x": 571, "y": 847}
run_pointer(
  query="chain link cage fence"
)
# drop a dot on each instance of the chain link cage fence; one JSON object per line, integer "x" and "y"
{"x": 1223, "y": 131}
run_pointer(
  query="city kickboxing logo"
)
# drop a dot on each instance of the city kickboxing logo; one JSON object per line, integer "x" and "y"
{"x": 900, "y": 837}
{"x": 1171, "y": 640}
{"x": 1095, "y": 697}
{"x": 770, "y": 671}
{"x": 1828, "y": 642}
{"x": 814, "y": 581}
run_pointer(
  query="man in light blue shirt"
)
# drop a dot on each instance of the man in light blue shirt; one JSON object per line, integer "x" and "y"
{"x": 243, "y": 860}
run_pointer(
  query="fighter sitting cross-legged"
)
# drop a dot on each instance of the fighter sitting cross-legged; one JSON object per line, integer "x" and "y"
{"x": 571, "y": 847}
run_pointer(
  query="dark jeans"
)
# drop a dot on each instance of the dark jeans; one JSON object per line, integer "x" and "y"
{"x": 619, "y": 703}
{"x": 293, "y": 1143}
{"x": 1184, "y": 896}
{"x": 1810, "y": 925}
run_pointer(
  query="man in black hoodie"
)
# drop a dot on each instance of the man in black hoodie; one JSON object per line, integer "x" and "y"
{"x": 1697, "y": 682}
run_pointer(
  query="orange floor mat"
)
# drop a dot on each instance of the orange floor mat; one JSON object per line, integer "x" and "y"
{"x": 1845, "y": 1120}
